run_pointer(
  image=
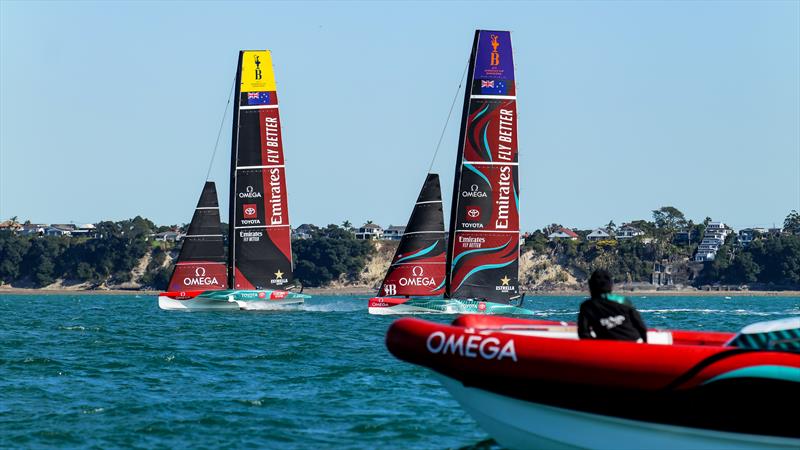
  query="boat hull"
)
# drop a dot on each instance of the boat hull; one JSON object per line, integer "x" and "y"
{"x": 422, "y": 305}
{"x": 517, "y": 424}
{"x": 229, "y": 299}
{"x": 684, "y": 379}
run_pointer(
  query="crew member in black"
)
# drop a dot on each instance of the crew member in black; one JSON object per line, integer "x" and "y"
{"x": 609, "y": 316}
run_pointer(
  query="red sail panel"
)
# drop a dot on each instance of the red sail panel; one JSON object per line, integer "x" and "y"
{"x": 201, "y": 262}
{"x": 418, "y": 266}
{"x": 483, "y": 256}
{"x": 261, "y": 234}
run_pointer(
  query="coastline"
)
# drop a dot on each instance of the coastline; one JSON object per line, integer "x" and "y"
{"x": 366, "y": 292}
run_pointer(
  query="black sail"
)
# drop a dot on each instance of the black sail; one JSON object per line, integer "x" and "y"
{"x": 201, "y": 263}
{"x": 260, "y": 235}
{"x": 483, "y": 245}
{"x": 418, "y": 266}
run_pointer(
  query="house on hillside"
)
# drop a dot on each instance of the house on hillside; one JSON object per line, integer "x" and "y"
{"x": 369, "y": 231}
{"x": 714, "y": 237}
{"x": 599, "y": 234}
{"x": 303, "y": 231}
{"x": 628, "y": 232}
{"x": 10, "y": 225}
{"x": 563, "y": 233}
{"x": 394, "y": 233}
{"x": 57, "y": 230}
{"x": 37, "y": 229}
{"x": 167, "y": 236}
{"x": 85, "y": 230}
{"x": 748, "y": 235}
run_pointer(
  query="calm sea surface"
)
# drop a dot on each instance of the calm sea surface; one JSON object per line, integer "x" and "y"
{"x": 115, "y": 371}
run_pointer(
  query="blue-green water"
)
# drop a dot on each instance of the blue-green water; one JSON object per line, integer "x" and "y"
{"x": 115, "y": 371}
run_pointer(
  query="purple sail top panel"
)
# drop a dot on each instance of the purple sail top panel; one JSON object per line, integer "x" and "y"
{"x": 494, "y": 60}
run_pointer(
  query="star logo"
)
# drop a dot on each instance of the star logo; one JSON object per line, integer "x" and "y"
{"x": 279, "y": 274}
{"x": 505, "y": 280}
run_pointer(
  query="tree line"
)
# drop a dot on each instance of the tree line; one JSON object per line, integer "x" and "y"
{"x": 331, "y": 253}
{"x": 771, "y": 259}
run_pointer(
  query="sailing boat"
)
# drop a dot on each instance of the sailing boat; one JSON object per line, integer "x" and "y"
{"x": 259, "y": 265}
{"x": 482, "y": 260}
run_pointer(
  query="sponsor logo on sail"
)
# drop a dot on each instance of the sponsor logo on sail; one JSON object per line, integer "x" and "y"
{"x": 250, "y": 211}
{"x": 471, "y": 241}
{"x": 279, "y": 279}
{"x": 473, "y": 213}
{"x": 417, "y": 278}
{"x": 200, "y": 279}
{"x": 504, "y": 285}
{"x": 251, "y": 235}
{"x": 494, "y": 59}
{"x": 249, "y": 192}
{"x": 258, "y": 67}
{"x": 474, "y": 192}
{"x": 470, "y": 346}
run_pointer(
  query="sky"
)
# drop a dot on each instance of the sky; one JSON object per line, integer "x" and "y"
{"x": 111, "y": 110}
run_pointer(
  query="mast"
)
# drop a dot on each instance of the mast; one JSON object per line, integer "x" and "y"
{"x": 231, "y": 190}
{"x": 201, "y": 263}
{"x": 483, "y": 245}
{"x": 459, "y": 159}
{"x": 418, "y": 266}
{"x": 260, "y": 234}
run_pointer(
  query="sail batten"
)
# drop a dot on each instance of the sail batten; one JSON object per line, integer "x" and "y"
{"x": 483, "y": 245}
{"x": 260, "y": 234}
{"x": 418, "y": 265}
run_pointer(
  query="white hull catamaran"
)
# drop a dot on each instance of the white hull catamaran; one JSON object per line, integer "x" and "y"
{"x": 258, "y": 273}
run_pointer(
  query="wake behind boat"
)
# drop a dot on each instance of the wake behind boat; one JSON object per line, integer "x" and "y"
{"x": 479, "y": 273}
{"x": 532, "y": 384}
{"x": 259, "y": 269}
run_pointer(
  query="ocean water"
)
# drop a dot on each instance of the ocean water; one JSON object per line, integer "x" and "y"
{"x": 94, "y": 371}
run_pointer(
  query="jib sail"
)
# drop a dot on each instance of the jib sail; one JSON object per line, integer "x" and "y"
{"x": 483, "y": 246}
{"x": 418, "y": 266}
{"x": 201, "y": 263}
{"x": 260, "y": 235}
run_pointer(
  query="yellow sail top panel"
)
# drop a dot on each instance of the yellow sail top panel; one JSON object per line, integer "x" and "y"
{"x": 257, "y": 73}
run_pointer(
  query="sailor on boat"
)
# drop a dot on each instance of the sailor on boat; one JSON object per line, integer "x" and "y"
{"x": 609, "y": 316}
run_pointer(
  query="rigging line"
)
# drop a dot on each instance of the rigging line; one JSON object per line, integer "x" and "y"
{"x": 219, "y": 133}
{"x": 455, "y": 97}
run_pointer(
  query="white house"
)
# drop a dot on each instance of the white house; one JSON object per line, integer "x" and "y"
{"x": 628, "y": 232}
{"x": 369, "y": 231}
{"x": 394, "y": 233}
{"x": 714, "y": 237}
{"x": 599, "y": 234}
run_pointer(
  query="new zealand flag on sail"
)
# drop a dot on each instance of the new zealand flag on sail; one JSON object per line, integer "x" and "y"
{"x": 258, "y": 98}
{"x": 493, "y": 87}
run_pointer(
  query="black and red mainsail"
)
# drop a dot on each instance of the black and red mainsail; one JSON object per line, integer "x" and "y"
{"x": 260, "y": 235}
{"x": 201, "y": 263}
{"x": 418, "y": 266}
{"x": 483, "y": 246}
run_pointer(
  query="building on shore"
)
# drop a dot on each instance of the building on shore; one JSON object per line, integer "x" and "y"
{"x": 394, "y": 233}
{"x": 303, "y": 231}
{"x": 599, "y": 234}
{"x": 369, "y": 231}
{"x": 714, "y": 237}
{"x": 563, "y": 233}
{"x": 628, "y": 232}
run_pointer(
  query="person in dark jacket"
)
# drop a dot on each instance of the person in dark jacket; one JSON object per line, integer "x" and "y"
{"x": 609, "y": 316}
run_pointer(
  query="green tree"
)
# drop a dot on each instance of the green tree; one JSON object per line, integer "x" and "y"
{"x": 792, "y": 223}
{"x": 328, "y": 254}
{"x": 12, "y": 251}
